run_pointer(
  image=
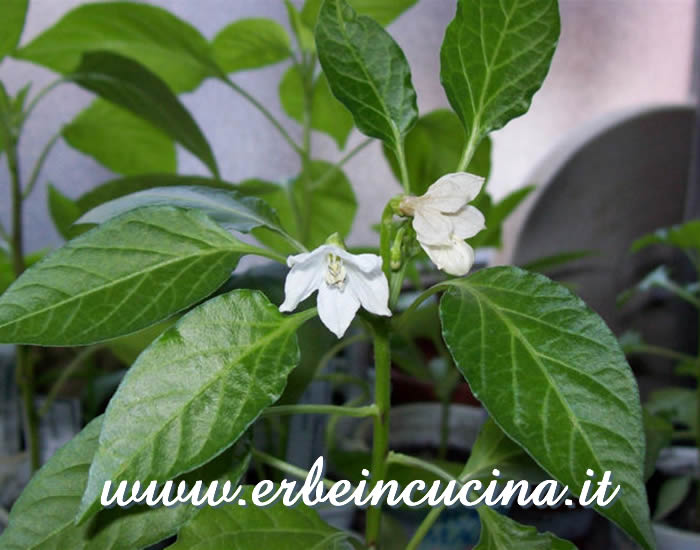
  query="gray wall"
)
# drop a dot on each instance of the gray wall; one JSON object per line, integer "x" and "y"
{"x": 613, "y": 54}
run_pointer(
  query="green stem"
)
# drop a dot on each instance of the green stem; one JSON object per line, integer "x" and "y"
{"x": 39, "y": 96}
{"x": 353, "y": 412}
{"x": 285, "y": 467}
{"x": 469, "y": 151}
{"x": 403, "y": 169}
{"x": 263, "y": 110}
{"x": 380, "y": 444}
{"x": 337, "y": 348}
{"x": 40, "y": 164}
{"x": 338, "y": 165}
{"x": 66, "y": 374}
{"x": 306, "y": 74}
{"x": 422, "y": 297}
{"x": 424, "y": 527}
{"x": 412, "y": 461}
{"x": 25, "y": 368}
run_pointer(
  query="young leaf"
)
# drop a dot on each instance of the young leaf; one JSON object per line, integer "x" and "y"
{"x": 685, "y": 237}
{"x": 12, "y": 15}
{"x": 494, "y": 58}
{"x": 367, "y": 72}
{"x": 434, "y": 147}
{"x": 250, "y": 44}
{"x": 64, "y": 211}
{"x": 44, "y": 515}
{"x": 228, "y": 207}
{"x": 499, "y": 532}
{"x": 122, "y": 276}
{"x": 254, "y": 528}
{"x": 328, "y": 115}
{"x": 119, "y": 140}
{"x": 671, "y": 495}
{"x": 658, "y": 434}
{"x": 382, "y": 11}
{"x": 168, "y": 46}
{"x": 554, "y": 378}
{"x": 133, "y": 87}
{"x": 224, "y": 362}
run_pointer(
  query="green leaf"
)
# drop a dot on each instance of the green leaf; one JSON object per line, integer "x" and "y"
{"x": 168, "y": 46}
{"x": 494, "y": 58}
{"x": 367, "y": 72}
{"x": 224, "y": 362}
{"x": 303, "y": 33}
{"x": 382, "y": 11}
{"x": 330, "y": 207}
{"x": 64, "y": 211}
{"x": 496, "y": 215}
{"x": 685, "y": 237}
{"x": 547, "y": 263}
{"x": 250, "y": 44}
{"x": 677, "y": 405}
{"x": 229, "y": 208}
{"x": 120, "y": 277}
{"x": 43, "y": 517}
{"x": 121, "y": 141}
{"x": 130, "y": 85}
{"x": 434, "y": 148}
{"x": 12, "y": 15}
{"x": 658, "y": 433}
{"x": 250, "y": 527}
{"x": 499, "y": 532}
{"x": 328, "y": 115}
{"x": 125, "y": 186}
{"x": 554, "y": 378}
{"x": 671, "y": 495}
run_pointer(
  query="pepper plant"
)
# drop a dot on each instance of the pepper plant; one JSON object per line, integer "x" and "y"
{"x": 546, "y": 368}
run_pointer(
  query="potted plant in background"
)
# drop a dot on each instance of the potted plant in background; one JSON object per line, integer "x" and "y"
{"x": 545, "y": 367}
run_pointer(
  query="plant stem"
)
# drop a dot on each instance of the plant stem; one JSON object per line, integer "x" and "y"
{"x": 66, "y": 374}
{"x": 40, "y": 164}
{"x": 39, "y": 96}
{"x": 403, "y": 169}
{"x": 354, "y": 412}
{"x": 25, "y": 368}
{"x": 306, "y": 74}
{"x": 422, "y": 297}
{"x": 263, "y": 110}
{"x": 285, "y": 467}
{"x": 469, "y": 151}
{"x": 424, "y": 527}
{"x": 380, "y": 443}
{"x": 338, "y": 165}
{"x": 407, "y": 460}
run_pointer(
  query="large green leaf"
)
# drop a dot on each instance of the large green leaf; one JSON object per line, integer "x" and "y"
{"x": 554, "y": 378}
{"x": 434, "y": 147}
{"x": 43, "y": 518}
{"x": 249, "y": 44}
{"x": 367, "y": 72}
{"x": 122, "y": 276}
{"x": 195, "y": 390}
{"x": 168, "y": 46}
{"x": 227, "y": 207}
{"x": 499, "y": 532}
{"x": 12, "y": 15}
{"x": 494, "y": 58}
{"x": 130, "y": 85}
{"x": 253, "y": 527}
{"x": 121, "y": 141}
{"x": 330, "y": 207}
{"x": 327, "y": 114}
{"x": 382, "y": 11}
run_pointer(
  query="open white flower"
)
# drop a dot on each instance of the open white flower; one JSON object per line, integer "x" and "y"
{"x": 443, "y": 218}
{"x": 344, "y": 282}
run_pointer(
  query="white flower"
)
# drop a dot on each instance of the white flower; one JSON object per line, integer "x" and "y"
{"x": 443, "y": 218}
{"x": 344, "y": 282}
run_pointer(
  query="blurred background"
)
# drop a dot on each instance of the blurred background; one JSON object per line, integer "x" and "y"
{"x": 613, "y": 55}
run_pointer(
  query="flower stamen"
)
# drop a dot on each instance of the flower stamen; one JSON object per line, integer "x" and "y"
{"x": 335, "y": 272}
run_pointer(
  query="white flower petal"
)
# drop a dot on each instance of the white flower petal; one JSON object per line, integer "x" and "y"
{"x": 432, "y": 227}
{"x": 366, "y": 263}
{"x": 372, "y": 290}
{"x": 456, "y": 258}
{"x": 315, "y": 255}
{"x": 467, "y": 222}
{"x": 302, "y": 280}
{"x": 337, "y": 308}
{"x": 452, "y": 191}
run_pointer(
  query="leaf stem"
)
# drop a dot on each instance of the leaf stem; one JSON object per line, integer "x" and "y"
{"x": 403, "y": 169}
{"x": 41, "y": 95}
{"x": 66, "y": 374}
{"x": 353, "y": 412}
{"x": 380, "y": 443}
{"x": 407, "y": 460}
{"x": 263, "y": 110}
{"x": 469, "y": 151}
{"x": 338, "y": 165}
{"x": 422, "y": 297}
{"x": 40, "y": 164}
{"x": 285, "y": 467}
